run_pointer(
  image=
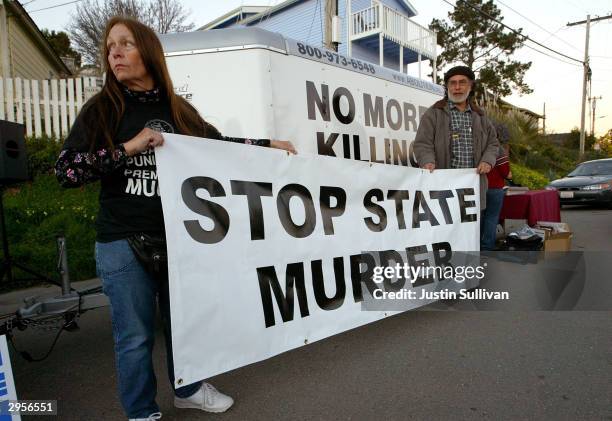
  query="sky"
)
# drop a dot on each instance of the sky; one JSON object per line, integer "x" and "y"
{"x": 556, "y": 82}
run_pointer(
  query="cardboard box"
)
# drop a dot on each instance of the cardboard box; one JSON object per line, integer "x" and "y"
{"x": 510, "y": 191}
{"x": 557, "y": 235}
{"x": 541, "y": 232}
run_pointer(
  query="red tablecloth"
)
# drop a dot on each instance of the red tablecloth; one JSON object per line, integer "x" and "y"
{"x": 534, "y": 206}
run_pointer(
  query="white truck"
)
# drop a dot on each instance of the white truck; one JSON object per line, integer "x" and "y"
{"x": 249, "y": 82}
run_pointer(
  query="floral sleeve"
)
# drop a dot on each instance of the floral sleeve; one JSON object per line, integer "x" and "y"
{"x": 74, "y": 168}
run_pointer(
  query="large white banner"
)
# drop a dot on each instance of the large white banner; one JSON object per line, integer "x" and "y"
{"x": 266, "y": 250}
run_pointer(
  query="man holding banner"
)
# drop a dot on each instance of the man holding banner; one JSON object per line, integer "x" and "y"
{"x": 455, "y": 133}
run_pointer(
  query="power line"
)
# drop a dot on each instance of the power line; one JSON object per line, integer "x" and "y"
{"x": 527, "y": 38}
{"x": 539, "y": 26}
{"x": 553, "y": 57}
{"x": 555, "y": 33}
{"x": 536, "y": 50}
{"x": 577, "y": 7}
{"x": 485, "y": 63}
{"x": 266, "y": 14}
{"x": 314, "y": 14}
{"x": 53, "y": 7}
{"x": 595, "y": 19}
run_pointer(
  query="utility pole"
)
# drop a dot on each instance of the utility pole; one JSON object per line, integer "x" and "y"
{"x": 331, "y": 10}
{"x": 586, "y": 74}
{"x": 544, "y": 121}
{"x": 594, "y": 105}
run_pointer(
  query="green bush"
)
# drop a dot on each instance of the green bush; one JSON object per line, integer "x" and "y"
{"x": 42, "y": 153}
{"x": 527, "y": 177}
{"x": 530, "y": 149}
{"x": 39, "y": 210}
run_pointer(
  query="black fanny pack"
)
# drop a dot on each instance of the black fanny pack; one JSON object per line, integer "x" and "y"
{"x": 151, "y": 252}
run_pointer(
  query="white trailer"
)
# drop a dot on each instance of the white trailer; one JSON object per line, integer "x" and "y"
{"x": 249, "y": 82}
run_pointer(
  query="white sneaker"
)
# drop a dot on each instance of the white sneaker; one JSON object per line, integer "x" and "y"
{"x": 154, "y": 416}
{"x": 207, "y": 398}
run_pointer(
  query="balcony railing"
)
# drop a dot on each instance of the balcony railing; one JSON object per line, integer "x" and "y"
{"x": 380, "y": 19}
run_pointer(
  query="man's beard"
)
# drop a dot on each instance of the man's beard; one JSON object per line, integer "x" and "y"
{"x": 458, "y": 99}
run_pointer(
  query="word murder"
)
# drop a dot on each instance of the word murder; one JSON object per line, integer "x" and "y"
{"x": 360, "y": 268}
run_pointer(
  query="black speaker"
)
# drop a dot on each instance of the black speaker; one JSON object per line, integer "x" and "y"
{"x": 13, "y": 159}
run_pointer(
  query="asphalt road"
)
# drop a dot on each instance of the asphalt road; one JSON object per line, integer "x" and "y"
{"x": 429, "y": 365}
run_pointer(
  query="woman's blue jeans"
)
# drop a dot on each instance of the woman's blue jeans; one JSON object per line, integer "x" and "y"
{"x": 133, "y": 294}
{"x": 490, "y": 218}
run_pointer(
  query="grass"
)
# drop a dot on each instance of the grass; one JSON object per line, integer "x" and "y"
{"x": 36, "y": 212}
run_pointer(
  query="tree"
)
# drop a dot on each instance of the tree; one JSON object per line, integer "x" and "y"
{"x": 61, "y": 44}
{"x": 484, "y": 45}
{"x": 605, "y": 144}
{"x": 572, "y": 141}
{"x": 89, "y": 21}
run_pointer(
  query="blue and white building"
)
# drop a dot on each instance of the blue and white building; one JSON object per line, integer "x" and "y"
{"x": 377, "y": 31}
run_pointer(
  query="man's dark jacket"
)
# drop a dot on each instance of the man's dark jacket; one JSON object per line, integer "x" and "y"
{"x": 432, "y": 142}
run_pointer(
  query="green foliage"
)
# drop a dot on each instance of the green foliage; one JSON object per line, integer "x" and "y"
{"x": 573, "y": 140}
{"x": 61, "y": 44}
{"x": 527, "y": 177}
{"x": 530, "y": 149}
{"x": 481, "y": 43}
{"x": 42, "y": 153}
{"x": 38, "y": 211}
{"x": 605, "y": 143}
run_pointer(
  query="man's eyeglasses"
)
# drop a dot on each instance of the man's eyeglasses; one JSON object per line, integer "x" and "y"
{"x": 461, "y": 83}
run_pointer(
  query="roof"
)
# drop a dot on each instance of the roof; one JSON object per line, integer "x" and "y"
{"x": 288, "y": 3}
{"x": 219, "y": 39}
{"x": 248, "y": 38}
{"x": 19, "y": 13}
{"x": 522, "y": 110}
{"x": 557, "y": 138}
{"x": 233, "y": 14}
{"x": 410, "y": 7}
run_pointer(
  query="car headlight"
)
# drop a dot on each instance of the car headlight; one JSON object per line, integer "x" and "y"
{"x": 602, "y": 186}
{"x": 550, "y": 188}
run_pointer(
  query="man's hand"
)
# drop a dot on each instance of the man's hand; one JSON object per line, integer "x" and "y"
{"x": 429, "y": 166}
{"x": 483, "y": 168}
{"x": 285, "y": 145}
{"x": 146, "y": 139}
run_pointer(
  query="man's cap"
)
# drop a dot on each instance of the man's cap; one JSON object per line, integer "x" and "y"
{"x": 459, "y": 70}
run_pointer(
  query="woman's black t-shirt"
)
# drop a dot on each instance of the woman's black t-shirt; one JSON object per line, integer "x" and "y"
{"x": 129, "y": 194}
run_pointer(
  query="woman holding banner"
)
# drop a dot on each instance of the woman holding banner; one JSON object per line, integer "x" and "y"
{"x": 112, "y": 140}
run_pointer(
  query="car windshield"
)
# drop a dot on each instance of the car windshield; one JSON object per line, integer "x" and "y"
{"x": 593, "y": 168}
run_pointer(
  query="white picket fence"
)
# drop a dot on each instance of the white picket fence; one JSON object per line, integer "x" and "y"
{"x": 51, "y": 113}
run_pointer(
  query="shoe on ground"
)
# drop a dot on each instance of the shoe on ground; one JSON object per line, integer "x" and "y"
{"x": 154, "y": 416}
{"x": 207, "y": 398}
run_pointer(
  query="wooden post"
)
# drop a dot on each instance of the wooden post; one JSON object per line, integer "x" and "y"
{"x": 36, "y": 104}
{"x": 28, "y": 106}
